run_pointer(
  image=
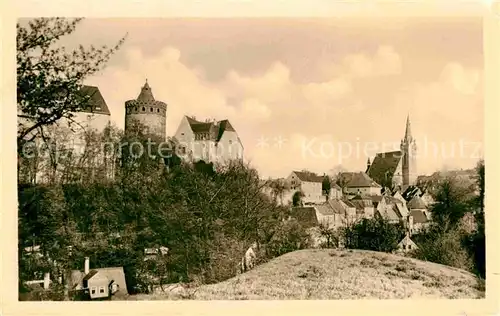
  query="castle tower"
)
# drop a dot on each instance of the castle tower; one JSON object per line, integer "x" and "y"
{"x": 147, "y": 111}
{"x": 409, "y": 153}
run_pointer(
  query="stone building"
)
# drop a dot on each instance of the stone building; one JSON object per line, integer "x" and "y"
{"x": 152, "y": 114}
{"x": 210, "y": 141}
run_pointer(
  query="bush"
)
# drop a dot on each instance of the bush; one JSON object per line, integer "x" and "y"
{"x": 290, "y": 236}
{"x": 444, "y": 248}
{"x": 373, "y": 234}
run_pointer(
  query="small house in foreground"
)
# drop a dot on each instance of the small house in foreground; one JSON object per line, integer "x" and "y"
{"x": 407, "y": 244}
{"x": 98, "y": 283}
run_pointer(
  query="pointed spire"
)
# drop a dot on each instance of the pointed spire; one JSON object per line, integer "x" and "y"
{"x": 146, "y": 93}
{"x": 408, "y": 128}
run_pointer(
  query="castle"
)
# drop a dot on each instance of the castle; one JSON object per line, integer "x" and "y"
{"x": 396, "y": 168}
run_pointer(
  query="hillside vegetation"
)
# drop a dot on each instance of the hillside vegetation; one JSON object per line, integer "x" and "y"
{"x": 337, "y": 274}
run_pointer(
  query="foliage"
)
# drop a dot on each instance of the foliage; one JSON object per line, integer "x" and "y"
{"x": 49, "y": 78}
{"x": 326, "y": 185}
{"x": 373, "y": 234}
{"x": 297, "y": 198}
{"x": 444, "y": 247}
{"x": 290, "y": 236}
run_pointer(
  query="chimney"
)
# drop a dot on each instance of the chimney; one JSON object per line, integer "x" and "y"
{"x": 46, "y": 280}
{"x": 87, "y": 265}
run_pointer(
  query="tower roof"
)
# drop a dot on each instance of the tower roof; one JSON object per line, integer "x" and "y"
{"x": 146, "y": 93}
{"x": 408, "y": 128}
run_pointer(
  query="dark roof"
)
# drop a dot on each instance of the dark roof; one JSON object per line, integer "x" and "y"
{"x": 96, "y": 104}
{"x": 90, "y": 275}
{"x": 215, "y": 129}
{"x": 384, "y": 163}
{"x": 416, "y": 203}
{"x": 308, "y": 176}
{"x": 305, "y": 215}
{"x": 349, "y": 203}
{"x": 410, "y": 192}
{"x": 360, "y": 180}
{"x": 418, "y": 216}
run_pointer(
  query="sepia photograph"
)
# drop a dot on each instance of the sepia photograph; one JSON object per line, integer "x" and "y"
{"x": 251, "y": 158}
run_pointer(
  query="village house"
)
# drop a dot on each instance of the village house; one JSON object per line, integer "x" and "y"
{"x": 359, "y": 183}
{"x": 209, "y": 141}
{"x": 406, "y": 245}
{"x": 364, "y": 206}
{"x": 309, "y": 183}
{"x": 416, "y": 204}
{"x": 99, "y": 283}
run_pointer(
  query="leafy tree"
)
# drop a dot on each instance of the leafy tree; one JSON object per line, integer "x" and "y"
{"x": 50, "y": 78}
{"x": 452, "y": 201}
{"x": 326, "y": 186}
{"x": 297, "y": 198}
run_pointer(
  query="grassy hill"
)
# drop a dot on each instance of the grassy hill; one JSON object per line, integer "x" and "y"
{"x": 337, "y": 274}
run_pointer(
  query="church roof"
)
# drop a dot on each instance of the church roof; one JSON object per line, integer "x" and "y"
{"x": 96, "y": 103}
{"x": 384, "y": 163}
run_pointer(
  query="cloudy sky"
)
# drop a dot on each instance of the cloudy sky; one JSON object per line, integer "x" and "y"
{"x": 308, "y": 93}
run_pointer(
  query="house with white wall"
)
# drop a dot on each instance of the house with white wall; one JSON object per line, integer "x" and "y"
{"x": 209, "y": 140}
{"x": 309, "y": 183}
{"x": 359, "y": 183}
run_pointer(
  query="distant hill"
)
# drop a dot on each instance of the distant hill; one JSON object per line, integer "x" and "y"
{"x": 337, "y": 274}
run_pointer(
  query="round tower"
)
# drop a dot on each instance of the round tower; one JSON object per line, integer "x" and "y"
{"x": 147, "y": 111}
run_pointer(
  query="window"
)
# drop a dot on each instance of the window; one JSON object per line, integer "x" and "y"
{"x": 230, "y": 142}
{"x": 158, "y": 110}
{"x": 150, "y": 109}
{"x": 93, "y": 289}
{"x": 143, "y": 109}
{"x": 182, "y": 134}
{"x": 101, "y": 289}
{"x": 135, "y": 109}
{"x": 409, "y": 247}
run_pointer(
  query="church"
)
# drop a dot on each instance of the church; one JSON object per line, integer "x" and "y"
{"x": 396, "y": 169}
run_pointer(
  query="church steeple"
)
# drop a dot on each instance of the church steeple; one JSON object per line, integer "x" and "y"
{"x": 408, "y": 136}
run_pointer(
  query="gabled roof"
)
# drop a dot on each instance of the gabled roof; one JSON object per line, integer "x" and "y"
{"x": 338, "y": 206}
{"x": 416, "y": 203}
{"x": 410, "y": 192}
{"x": 418, "y": 217}
{"x": 96, "y": 104}
{"x": 308, "y": 176}
{"x": 215, "y": 129}
{"x": 361, "y": 180}
{"x": 325, "y": 209}
{"x": 90, "y": 275}
{"x": 384, "y": 163}
{"x": 389, "y": 213}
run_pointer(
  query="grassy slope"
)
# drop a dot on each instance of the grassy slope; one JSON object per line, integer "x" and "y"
{"x": 338, "y": 274}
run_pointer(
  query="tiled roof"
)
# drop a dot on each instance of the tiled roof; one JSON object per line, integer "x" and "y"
{"x": 361, "y": 180}
{"x": 305, "y": 215}
{"x": 384, "y": 163}
{"x": 338, "y": 206}
{"x": 308, "y": 176}
{"x": 215, "y": 129}
{"x": 90, "y": 275}
{"x": 402, "y": 209}
{"x": 97, "y": 104}
{"x": 115, "y": 274}
{"x": 418, "y": 216}
{"x": 390, "y": 214}
{"x": 325, "y": 209}
{"x": 416, "y": 203}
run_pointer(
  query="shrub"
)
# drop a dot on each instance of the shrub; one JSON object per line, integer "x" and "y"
{"x": 290, "y": 236}
{"x": 444, "y": 248}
